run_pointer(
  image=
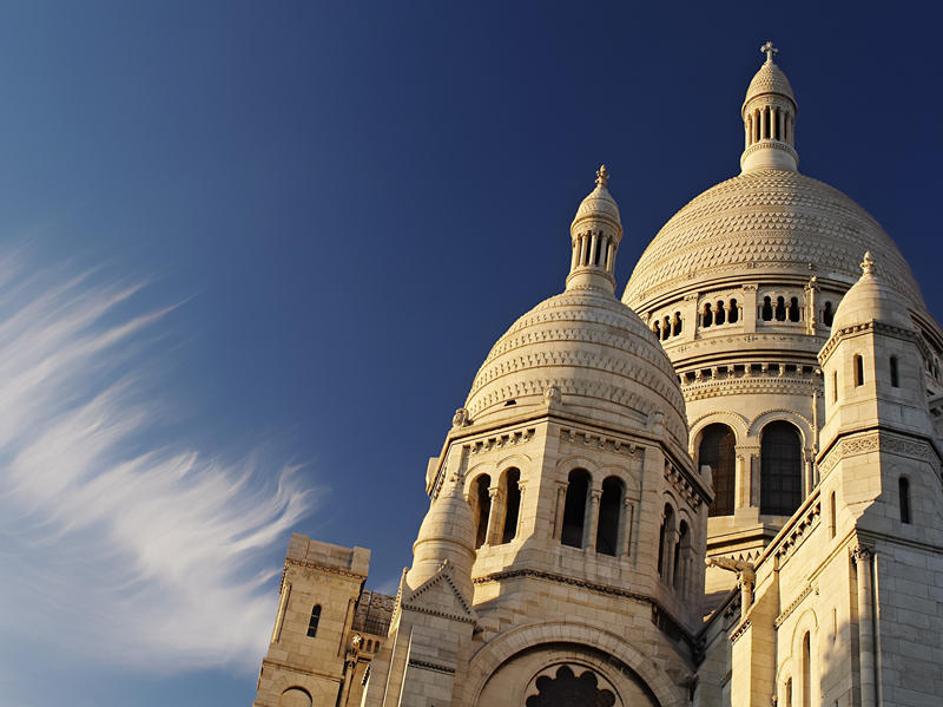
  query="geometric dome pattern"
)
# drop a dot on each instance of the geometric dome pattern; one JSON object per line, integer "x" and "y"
{"x": 767, "y": 222}
{"x": 595, "y": 351}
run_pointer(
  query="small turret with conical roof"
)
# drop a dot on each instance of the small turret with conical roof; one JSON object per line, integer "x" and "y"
{"x": 769, "y": 119}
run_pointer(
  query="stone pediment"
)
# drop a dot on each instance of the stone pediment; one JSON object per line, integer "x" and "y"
{"x": 440, "y": 596}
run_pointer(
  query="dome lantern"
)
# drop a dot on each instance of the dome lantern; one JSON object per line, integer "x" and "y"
{"x": 769, "y": 119}
{"x": 595, "y": 233}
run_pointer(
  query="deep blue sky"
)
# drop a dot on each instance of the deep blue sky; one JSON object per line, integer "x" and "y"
{"x": 351, "y": 201}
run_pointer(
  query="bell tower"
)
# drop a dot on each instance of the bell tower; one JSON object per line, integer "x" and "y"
{"x": 769, "y": 119}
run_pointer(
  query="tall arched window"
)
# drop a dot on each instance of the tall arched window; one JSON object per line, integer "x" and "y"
{"x": 665, "y": 536}
{"x": 780, "y": 469}
{"x": 832, "y": 515}
{"x": 574, "y": 510}
{"x": 903, "y": 488}
{"x": 708, "y": 319}
{"x": 767, "y": 312}
{"x": 610, "y": 516}
{"x": 718, "y": 451}
{"x": 682, "y": 546}
{"x": 512, "y": 507}
{"x": 734, "y": 314}
{"x": 828, "y": 314}
{"x": 780, "y": 309}
{"x": 807, "y": 670}
{"x": 895, "y": 373}
{"x": 482, "y": 508}
{"x": 794, "y": 311}
{"x": 314, "y": 621}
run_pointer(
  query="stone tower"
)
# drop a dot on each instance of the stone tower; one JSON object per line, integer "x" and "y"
{"x": 586, "y": 517}
{"x": 741, "y": 287}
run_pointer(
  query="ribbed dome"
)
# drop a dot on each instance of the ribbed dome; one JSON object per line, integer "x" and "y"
{"x": 871, "y": 299}
{"x": 598, "y": 204}
{"x": 769, "y": 79}
{"x": 595, "y": 351}
{"x": 766, "y": 222}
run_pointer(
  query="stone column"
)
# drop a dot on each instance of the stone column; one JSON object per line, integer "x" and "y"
{"x": 746, "y": 455}
{"x": 521, "y": 485}
{"x": 862, "y": 556}
{"x": 748, "y": 314}
{"x": 495, "y": 516}
{"x": 591, "y": 523}
{"x": 628, "y": 517}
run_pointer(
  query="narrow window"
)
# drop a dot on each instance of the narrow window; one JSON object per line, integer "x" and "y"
{"x": 721, "y": 315}
{"x": 780, "y": 309}
{"x": 734, "y": 314}
{"x": 681, "y": 554}
{"x": 718, "y": 451}
{"x": 903, "y": 487}
{"x": 574, "y": 509}
{"x": 600, "y": 243}
{"x": 788, "y": 693}
{"x": 780, "y": 469}
{"x": 665, "y": 329}
{"x": 832, "y": 513}
{"x": 482, "y": 499}
{"x": 665, "y": 537}
{"x": 895, "y": 375}
{"x": 767, "y": 314}
{"x": 859, "y": 371}
{"x": 657, "y": 330}
{"x": 807, "y": 670}
{"x": 766, "y": 123}
{"x": 314, "y": 620}
{"x": 676, "y": 327}
{"x": 610, "y": 511}
{"x": 834, "y": 386}
{"x": 708, "y": 315}
{"x": 512, "y": 494}
{"x": 828, "y": 314}
{"x": 794, "y": 309}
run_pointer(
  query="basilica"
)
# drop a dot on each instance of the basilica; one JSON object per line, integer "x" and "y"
{"x": 722, "y": 489}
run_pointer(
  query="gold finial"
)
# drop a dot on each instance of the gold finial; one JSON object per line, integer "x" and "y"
{"x": 602, "y": 176}
{"x": 769, "y": 50}
{"x": 867, "y": 264}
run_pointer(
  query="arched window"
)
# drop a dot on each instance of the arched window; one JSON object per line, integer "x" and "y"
{"x": 834, "y": 386}
{"x": 512, "y": 508}
{"x": 665, "y": 329}
{"x": 610, "y": 516}
{"x": 859, "y": 370}
{"x": 718, "y": 451}
{"x": 767, "y": 311}
{"x": 314, "y": 621}
{"x": 780, "y": 469}
{"x": 807, "y": 670}
{"x": 295, "y": 697}
{"x": 708, "y": 315}
{"x": 895, "y": 373}
{"x": 780, "y": 309}
{"x": 734, "y": 314}
{"x": 574, "y": 510}
{"x": 682, "y": 546}
{"x": 657, "y": 330}
{"x": 482, "y": 508}
{"x": 794, "y": 309}
{"x": 676, "y": 326}
{"x": 721, "y": 315}
{"x": 903, "y": 488}
{"x": 666, "y": 535}
{"x": 828, "y": 314}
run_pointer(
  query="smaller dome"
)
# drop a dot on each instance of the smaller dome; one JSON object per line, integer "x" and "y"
{"x": 769, "y": 79}
{"x": 871, "y": 299}
{"x": 598, "y": 204}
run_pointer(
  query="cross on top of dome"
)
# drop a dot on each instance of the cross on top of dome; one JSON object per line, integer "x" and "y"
{"x": 602, "y": 176}
{"x": 770, "y": 50}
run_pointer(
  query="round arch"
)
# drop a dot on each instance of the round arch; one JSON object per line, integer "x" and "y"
{"x": 491, "y": 656}
{"x": 735, "y": 421}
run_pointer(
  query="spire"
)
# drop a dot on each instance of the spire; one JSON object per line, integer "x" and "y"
{"x": 595, "y": 235}
{"x": 769, "y": 118}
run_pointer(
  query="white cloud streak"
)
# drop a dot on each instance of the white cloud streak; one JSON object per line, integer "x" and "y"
{"x": 115, "y": 548}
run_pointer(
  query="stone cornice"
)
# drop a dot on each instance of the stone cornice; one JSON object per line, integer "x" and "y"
{"x": 434, "y": 667}
{"x": 793, "y": 605}
{"x": 329, "y": 569}
{"x": 853, "y": 443}
{"x": 866, "y": 328}
{"x": 740, "y": 630}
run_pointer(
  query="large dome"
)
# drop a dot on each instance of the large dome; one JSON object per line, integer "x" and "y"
{"x": 597, "y": 353}
{"x": 766, "y": 222}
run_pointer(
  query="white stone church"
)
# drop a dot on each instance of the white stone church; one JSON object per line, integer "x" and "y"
{"x": 724, "y": 489}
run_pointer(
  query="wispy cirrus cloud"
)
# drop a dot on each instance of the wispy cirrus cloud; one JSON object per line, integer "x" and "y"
{"x": 113, "y": 546}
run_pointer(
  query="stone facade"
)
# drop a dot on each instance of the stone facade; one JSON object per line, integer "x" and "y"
{"x": 723, "y": 490}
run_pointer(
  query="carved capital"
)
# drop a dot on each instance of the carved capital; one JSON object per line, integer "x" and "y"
{"x": 861, "y": 554}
